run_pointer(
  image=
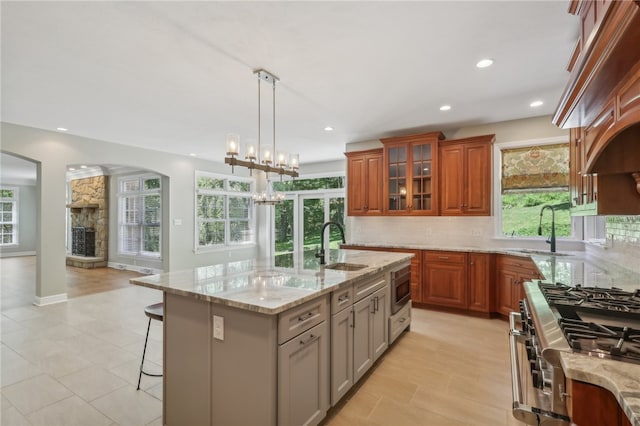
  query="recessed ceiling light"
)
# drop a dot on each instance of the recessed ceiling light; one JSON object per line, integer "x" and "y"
{"x": 83, "y": 167}
{"x": 71, "y": 169}
{"x": 328, "y": 129}
{"x": 535, "y": 104}
{"x": 193, "y": 154}
{"x": 483, "y": 63}
{"x": 62, "y": 129}
{"x": 445, "y": 107}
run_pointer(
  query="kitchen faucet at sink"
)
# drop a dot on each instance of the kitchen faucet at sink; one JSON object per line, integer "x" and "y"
{"x": 552, "y": 238}
{"x": 321, "y": 253}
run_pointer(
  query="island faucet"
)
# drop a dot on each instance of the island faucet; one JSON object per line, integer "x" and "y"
{"x": 552, "y": 239}
{"x": 320, "y": 254}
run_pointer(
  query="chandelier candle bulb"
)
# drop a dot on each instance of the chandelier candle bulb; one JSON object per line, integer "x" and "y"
{"x": 251, "y": 152}
{"x": 266, "y": 156}
{"x": 294, "y": 161}
{"x": 282, "y": 159}
{"x": 233, "y": 144}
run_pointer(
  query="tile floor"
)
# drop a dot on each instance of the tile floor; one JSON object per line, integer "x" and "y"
{"x": 76, "y": 363}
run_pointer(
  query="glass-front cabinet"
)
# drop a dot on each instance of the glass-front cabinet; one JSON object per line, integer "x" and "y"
{"x": 409, "y": 177}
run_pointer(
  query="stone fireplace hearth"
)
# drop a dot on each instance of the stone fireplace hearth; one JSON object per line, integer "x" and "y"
{"x": 90, "y": 210}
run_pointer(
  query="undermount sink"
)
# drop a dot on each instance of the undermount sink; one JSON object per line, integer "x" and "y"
{"x": 540, "y": 252}
{"x": 345, "y": 266}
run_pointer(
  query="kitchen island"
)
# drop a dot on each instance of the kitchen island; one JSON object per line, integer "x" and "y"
{"x": 249, "y": 342}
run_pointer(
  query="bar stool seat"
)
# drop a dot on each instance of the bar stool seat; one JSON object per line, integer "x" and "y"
{"x": 155, "y": 312}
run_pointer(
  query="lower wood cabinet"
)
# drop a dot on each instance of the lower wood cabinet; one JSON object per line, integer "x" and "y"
{"x": 512, "y": 272}
{"x": 589, "y": 404}
{"x": 480, "y": 287}
{"x": 445, "y": 278}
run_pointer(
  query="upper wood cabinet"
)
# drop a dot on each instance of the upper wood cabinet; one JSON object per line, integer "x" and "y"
{"x": 602, "y": 103}
{"x": 465, "y": 176}
{"x": 364, "y": 183}
{"x": 409, "y": 175}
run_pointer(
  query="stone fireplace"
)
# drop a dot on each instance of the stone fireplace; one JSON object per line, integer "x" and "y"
{"x": 89, "y": 217}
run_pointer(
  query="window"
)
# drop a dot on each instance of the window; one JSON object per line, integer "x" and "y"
{"x": 223, "y": 213}
{"x": 534, "y": 177}
{"x": 139, "y": 205}
{"x": 298, "y": 220}
{"x": 9, "y": 219}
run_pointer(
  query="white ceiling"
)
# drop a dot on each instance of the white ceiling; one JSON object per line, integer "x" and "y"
{"x": 177, "y": 76}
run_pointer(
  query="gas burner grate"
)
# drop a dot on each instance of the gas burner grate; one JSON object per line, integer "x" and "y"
{"x": 621, "y": 343}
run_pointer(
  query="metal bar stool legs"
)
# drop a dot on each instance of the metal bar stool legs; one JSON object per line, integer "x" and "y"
{"x": 155, "y": 312}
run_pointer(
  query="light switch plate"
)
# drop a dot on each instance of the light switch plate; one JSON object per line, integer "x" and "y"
{"x": 218, "y": 327}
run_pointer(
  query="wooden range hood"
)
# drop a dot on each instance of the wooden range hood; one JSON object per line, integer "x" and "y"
{"x": 602, "y": 100}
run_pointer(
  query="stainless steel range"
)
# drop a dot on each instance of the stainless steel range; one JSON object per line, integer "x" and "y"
{"x": 603, "y": 322}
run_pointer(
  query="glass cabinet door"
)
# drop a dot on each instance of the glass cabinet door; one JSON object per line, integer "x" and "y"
{"x": 397, "y": 181}
{"x": 421, "y": 185}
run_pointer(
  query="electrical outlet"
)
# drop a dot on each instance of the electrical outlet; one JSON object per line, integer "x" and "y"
{"x": 177, "y": 222}
{"x": 476, "y": 232}
{"x": 427, "y": 232}
{"x": 218, "y": 327}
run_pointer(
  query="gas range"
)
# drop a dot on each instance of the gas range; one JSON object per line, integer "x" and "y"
{"x": 604, "y": 322}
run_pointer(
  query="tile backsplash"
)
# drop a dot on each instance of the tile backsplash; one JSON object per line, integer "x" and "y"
{"x": 624, "y": 229}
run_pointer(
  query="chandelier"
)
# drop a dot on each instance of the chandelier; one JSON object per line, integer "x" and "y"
{"x": 264, "y": 158}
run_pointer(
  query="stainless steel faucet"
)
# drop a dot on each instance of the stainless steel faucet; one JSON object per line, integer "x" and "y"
{"x": 552, "y": 239}
{"x": 320, "y": 254}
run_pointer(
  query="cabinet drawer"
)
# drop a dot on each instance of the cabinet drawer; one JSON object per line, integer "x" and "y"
{"x": 399, "y": 321}
{"x": 367, "y": 286}
{"x": 301, "y": 318}
{"x": 341, "y": 299}
{"x": 445, "y": 257}
{"x": 516, "y": 262}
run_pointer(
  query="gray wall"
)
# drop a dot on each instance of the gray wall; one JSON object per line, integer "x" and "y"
{"x": 53, "y": 151}
{"x": 26, "y": 222}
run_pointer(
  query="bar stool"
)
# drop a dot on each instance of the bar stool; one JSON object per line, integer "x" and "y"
{"x": 156, "y": 312}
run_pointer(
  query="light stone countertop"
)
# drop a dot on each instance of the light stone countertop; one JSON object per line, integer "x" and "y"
{"x": 271, "y": 286}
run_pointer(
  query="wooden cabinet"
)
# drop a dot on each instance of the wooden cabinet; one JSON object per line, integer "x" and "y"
{"x": 465, "y": 176}
{"x": 602, "y": 103}
{"x": 445, "y": 278}
{"x": 364, "y": 183}
{"x": 480, "y": 282}
{"x": 512, "y": 272}
{"x": 303, "y": 372}
{"x": 409, "y": 176}
{"x": 589, "y": 404}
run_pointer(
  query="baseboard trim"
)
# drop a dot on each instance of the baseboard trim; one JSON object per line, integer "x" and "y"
{"x": 17, "y": 253}
{"x": 50, "y": 300}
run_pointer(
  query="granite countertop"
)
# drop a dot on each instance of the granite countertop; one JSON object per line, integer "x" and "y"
{"x": 271, "y": 286}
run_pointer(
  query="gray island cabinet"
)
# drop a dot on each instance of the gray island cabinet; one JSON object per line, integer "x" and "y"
{"x": 254, "y": 343}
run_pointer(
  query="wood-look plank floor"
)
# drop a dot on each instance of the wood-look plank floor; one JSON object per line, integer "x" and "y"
{"x": 448, "y": 370}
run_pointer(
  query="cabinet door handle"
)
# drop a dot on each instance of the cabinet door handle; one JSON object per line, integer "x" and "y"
{"x": 343, "y": 298}
{"x": 401, "y": 320}
{"x": 373, "y": 306}
{"x": 377, "y": 304}
{"x": 443, "y": 257}
{"x": 353, "y": 318}
{"x": 305, "y": 317}
{"x": 309, "y": 340}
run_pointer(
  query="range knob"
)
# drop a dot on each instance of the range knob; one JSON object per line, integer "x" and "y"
{"x": 536, "y": 378}
{"x": 531, "y": 351}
